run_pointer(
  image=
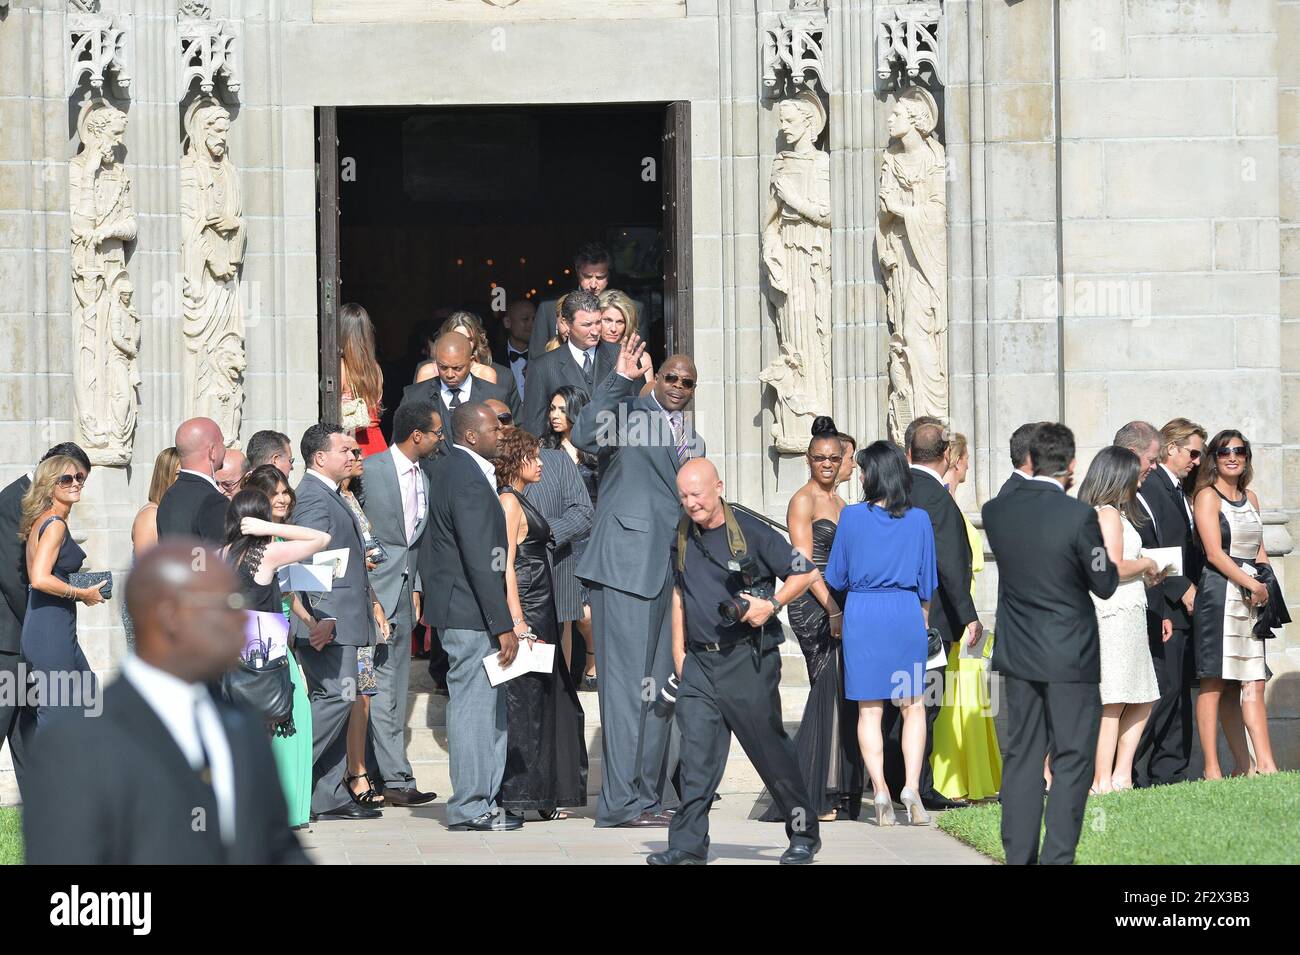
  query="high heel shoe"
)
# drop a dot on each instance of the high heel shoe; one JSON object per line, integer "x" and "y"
{"x": 916, "y": 814}
{"x": 884, "y": 809}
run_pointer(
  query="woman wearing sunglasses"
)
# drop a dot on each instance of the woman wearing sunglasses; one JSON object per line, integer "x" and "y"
{"x": 49, "y": 639}
{"x": 1229, "y": 657}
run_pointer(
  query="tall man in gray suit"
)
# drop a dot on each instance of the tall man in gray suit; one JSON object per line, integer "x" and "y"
{"x": 397, "y": 504}
{"x": 584, "y": 361}
{"x": 627, "y": 563}
{"x": 327, "y": 651}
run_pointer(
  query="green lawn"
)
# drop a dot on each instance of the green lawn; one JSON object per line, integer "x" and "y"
{"x": 11, "y": 837}
{"x": 1227, "y": 822}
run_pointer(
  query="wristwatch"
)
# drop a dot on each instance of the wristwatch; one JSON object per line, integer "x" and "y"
{"x": 776, "y": 606}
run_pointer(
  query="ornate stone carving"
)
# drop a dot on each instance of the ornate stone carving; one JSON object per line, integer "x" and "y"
{"x": 98, "y": 50}
{"x": 194, "y": 9}
{"x": 208, "y": 50}
{"x": 212, "y": 254}
{"x": 106, "y": 329}
{"x": 792, "y": 49}
{"x": 909, "y": 37}
{"x": 797, "y": 258}
{"x": 912, "y": 244}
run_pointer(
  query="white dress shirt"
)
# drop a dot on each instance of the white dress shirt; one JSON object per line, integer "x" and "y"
{"x": 187, "y": 710}
{"x": 929, "y": 470}
{"x": 411, "y": 488}
{"x": 200, "y": 474}
{"x": 446, "y": 392}
{"x": 332, "y": 485}
{"x": 487, "y": 467}
{"x": 518, "y": 367}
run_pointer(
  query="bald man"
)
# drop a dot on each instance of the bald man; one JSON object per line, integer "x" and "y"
{"x": 232, "y": 473}
{"x": 642, "y": 441}
{"x": 167, "y": 775}
{"x": 730, "y": 667}
{"x": 454, "y": 385}
{"x": 194, "y": 505}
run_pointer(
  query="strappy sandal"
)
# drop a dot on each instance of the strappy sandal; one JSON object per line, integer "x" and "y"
{"x": 371, "y": 798}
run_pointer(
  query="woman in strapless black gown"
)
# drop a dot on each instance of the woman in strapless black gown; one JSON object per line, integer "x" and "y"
{"x": 546, "y": 756}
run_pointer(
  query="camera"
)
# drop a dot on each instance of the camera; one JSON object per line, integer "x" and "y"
{"x": 744, "y": 582}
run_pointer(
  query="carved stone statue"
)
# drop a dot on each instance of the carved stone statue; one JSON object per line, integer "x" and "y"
{"x": 212, "y": 252}
{"x": 797, "y": 257}
{"x": 103, "y": 222}
{"x": 912, "y": 243}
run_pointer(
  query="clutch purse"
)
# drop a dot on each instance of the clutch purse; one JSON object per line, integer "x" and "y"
{"x": 92, "y": 579}
{"x": 355, "y": 414}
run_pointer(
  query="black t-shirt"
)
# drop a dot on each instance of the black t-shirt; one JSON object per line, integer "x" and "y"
{"x": 704, "y": 582}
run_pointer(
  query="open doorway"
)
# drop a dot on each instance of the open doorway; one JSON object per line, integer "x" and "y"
{"x": 441, "y": 208}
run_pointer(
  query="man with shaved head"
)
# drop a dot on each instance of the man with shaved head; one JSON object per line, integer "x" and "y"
{"x": 726, "y": 652}
{"x": 167, "y": 775}
{"x": 194, "y": 505}
{"x": 454, "y": 385}
{"x": 232, "y": 472}
{"x": 643, "y": 442}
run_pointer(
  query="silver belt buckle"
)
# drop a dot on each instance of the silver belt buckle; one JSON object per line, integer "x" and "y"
{"x": 712, "y": 648}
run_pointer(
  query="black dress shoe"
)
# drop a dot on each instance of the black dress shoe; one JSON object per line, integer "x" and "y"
{"x": 409, "y": 796}
{"x": 352, "y": 810}
{"x": 801, "y": 854}
{"x": 937, "y": 803}
{"x": 674, "y": 857}
{"x": 647, "y": 820}
{"x": 490, "y": 822}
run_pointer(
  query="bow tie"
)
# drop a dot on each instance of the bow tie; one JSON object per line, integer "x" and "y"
{"x": 513, "y": 356}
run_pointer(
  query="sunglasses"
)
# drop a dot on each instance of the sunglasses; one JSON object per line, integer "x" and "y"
{"x": 355, "y": 452}
{"x": 1195, "y": 455}
{"x": 824, "y": 458}
{"x": 67, "y": 480}
{"x": 506, "y": 417}
{"x": 1235, "y": 452}
{"x": 687, "y": 383}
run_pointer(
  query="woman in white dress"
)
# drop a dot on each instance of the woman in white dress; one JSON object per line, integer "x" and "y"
{"x": 1128, "y": 677}
{"x": 1229, "y": 657}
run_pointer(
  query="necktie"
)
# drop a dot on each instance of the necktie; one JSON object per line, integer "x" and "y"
{"x": 411, "y": 504}
{"x": 679, "y": 437}
{"x": 455, "y": 399}
{"x": 204, "y": 769}
{"x": 586, "y": 366}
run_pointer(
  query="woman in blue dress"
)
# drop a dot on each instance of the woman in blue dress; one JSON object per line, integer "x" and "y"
{"x": 883, "y": 557}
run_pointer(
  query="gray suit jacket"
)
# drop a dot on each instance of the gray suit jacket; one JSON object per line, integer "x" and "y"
{"x": 383, "y": 507}
{"x": 638, "y": 508}
{"x": 556, "y": 368}
{"x": 350, "y": 601}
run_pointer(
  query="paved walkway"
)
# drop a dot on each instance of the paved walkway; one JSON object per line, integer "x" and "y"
{"x": 419, "y": 837}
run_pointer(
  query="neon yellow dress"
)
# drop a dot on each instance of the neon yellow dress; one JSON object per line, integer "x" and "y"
{"x": 965, "y": 758}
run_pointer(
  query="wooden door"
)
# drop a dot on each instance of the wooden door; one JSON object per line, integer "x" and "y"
{"x": 677, "y": 228}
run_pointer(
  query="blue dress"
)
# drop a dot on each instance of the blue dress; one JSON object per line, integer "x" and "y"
{"x": 886, "y": 564}
{"x": 49, "y": 639}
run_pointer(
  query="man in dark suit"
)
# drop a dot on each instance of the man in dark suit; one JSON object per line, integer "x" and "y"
{"x": 16, "y": 719}
{"x": 627, "y": 564}
{"x": 194, "y": 505}
{"x": 167, "y": 775}
{"x": 1021, "y": 467}
{"x": 592, "y": 268}
{"x": 583, "y": 361}
{"x": 952, "y": 610}
{"x": 455, "y": 386}
{"x": 344, "y": 619}
{"x": 270, "y": 447}
{"x": 512, "y": 351}
{"x": 1050, "y": 557}
{"x": 1165, "y": 749}
{"x": 467, "y": 538}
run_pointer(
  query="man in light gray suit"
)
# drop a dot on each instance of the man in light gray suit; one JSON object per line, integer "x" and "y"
{"x": 397, "y": 504}
{"x": 627, "y": 565}
{"x": 584, "y": 361}
{"x": 344, "y": 619}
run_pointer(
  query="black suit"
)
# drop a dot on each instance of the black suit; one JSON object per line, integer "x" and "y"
{"x": 13, "y": 607}
{"x": 558, "y": 367}
{"x": 951, "y": 611}
{"x": 1166, "y": 745}
{"x": 479, "y": 391}
{"x": 117, "y": 790}
{"x": 1050, "y": 555}
{"x": 193, "y": 507}
{"x": 1015, "y": 481}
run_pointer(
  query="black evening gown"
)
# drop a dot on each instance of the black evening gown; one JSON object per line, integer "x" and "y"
{"x": 826, "y": 744}
{"x": 546, "y": 754}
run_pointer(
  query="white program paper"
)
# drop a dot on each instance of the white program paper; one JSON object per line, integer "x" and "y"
{"x": 531, "y": 658}
{"x": 1168, "y": 559}
{"x": 307, "y": 578}
{"x": 337, "y": 558}
{"x": 977, "y": 651}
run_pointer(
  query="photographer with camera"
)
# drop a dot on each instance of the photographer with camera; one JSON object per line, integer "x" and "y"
{"x": 725, "y": 653}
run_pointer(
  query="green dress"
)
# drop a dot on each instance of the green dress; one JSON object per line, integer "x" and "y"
{"x": 293, "y": 754}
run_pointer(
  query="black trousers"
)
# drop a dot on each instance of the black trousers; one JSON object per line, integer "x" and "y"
{"x": 1071, "y": 714}
{"x": 891, "y": 728}
{"x": 735, "y": 691}
{"x": 1165, "y": 749}
{"x": 16, "y": 722}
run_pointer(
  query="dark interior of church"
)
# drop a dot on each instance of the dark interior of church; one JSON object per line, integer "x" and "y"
{"x": 442, "y": 207}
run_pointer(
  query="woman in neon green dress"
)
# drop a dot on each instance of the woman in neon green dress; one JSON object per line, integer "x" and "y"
{"x": 966, "y": 761}
{"x": 293, "y": 754}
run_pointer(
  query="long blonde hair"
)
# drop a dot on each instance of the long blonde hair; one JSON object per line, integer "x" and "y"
{"x": 357, "y": 345}
{"x": 41, "y": 494}
{"x": 557, "y": 339}
{"x": 164, "y": 474}
{"x": 615, "y": 298}
{"x": 471, "y": 326}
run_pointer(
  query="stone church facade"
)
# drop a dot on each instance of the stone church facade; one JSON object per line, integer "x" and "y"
{"x": 995, "y": 210}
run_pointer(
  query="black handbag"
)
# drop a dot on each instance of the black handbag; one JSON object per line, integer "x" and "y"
{"x": 266, "y": 691}
{"x": 1274, "y": 614}
{"x": 92, "y": 578}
